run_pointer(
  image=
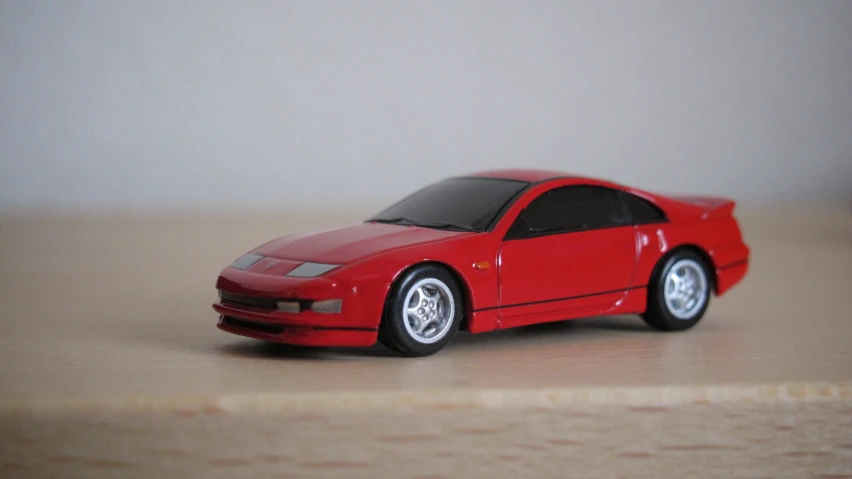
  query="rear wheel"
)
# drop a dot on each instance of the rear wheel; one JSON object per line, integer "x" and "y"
{"x": 423, "y": 312}
{"x": 679, "y": 293}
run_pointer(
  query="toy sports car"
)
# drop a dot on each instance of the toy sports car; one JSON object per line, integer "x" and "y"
{"x": 487, "y": 251}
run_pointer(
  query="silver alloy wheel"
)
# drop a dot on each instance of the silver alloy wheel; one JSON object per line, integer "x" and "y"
{"x": 428, "y": 310}
{"x": 686, "y": 289}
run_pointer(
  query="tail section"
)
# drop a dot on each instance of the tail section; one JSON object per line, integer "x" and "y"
{"x": 722, "y": 232}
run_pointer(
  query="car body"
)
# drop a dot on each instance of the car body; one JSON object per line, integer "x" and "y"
{"x": 517, "y": 247}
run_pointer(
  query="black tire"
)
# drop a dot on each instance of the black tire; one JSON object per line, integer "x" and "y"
{"x": 659, "y": 314}
{"x": 393, "y": 332}
{"x": 384, "y": 335}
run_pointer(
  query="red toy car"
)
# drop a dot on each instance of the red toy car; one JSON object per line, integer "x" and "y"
{"x": 488, "y": 251}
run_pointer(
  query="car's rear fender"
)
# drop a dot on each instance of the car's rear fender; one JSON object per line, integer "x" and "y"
{"x": 718, "y": 233}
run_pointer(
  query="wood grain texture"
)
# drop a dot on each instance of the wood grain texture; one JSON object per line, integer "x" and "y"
{"x": 111, "y": 366}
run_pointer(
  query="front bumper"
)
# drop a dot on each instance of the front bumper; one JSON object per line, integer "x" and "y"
{"x": 300, "y": 335}
{"x": 305, "y": 318}
{"x": 356, "y": 324}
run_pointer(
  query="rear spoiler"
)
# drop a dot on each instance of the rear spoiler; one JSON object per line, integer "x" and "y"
{"x": 713, "y": 207}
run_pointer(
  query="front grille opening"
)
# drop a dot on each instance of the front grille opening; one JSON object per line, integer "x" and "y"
{"x": 253, "y": 326}
{"x": 260, "y": 302}
{"x": 249, "y": 301}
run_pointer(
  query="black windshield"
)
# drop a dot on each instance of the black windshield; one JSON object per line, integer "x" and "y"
{"x": 457, "y": 203}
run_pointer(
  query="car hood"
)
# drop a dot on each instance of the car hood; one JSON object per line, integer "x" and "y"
{"x": 351, "y": 243}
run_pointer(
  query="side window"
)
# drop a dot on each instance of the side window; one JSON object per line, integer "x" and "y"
{"x": 641, "y": 210}
{"x": 569, "y": 208}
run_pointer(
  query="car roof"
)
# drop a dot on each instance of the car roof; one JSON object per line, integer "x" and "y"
{"x": 533, "y": 176}
{"x": 541, "y": 176}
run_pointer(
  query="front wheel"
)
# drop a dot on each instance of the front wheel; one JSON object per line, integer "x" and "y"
{"x": 423, "y": 312}
{"x": 679, "y": 293}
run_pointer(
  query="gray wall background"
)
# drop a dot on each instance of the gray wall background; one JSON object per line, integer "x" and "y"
{"x": 151, "y": 105}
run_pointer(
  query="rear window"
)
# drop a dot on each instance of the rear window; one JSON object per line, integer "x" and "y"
{"x": 641, "y": 210}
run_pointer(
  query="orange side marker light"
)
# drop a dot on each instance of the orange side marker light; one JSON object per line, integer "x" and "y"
{"x": 481, "y": 265}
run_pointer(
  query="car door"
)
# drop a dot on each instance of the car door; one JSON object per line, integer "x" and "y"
{"x": 571, "y": 248}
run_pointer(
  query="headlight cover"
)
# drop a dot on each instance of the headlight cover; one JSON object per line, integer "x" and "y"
{"x": 246, "y": 260}
{"x": 311, "y": 270}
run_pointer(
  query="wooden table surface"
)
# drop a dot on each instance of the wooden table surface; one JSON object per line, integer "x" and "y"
{"x": 111, "y": 366}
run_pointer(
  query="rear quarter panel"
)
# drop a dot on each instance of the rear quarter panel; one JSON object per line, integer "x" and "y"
{"x": 719, "y": 237}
